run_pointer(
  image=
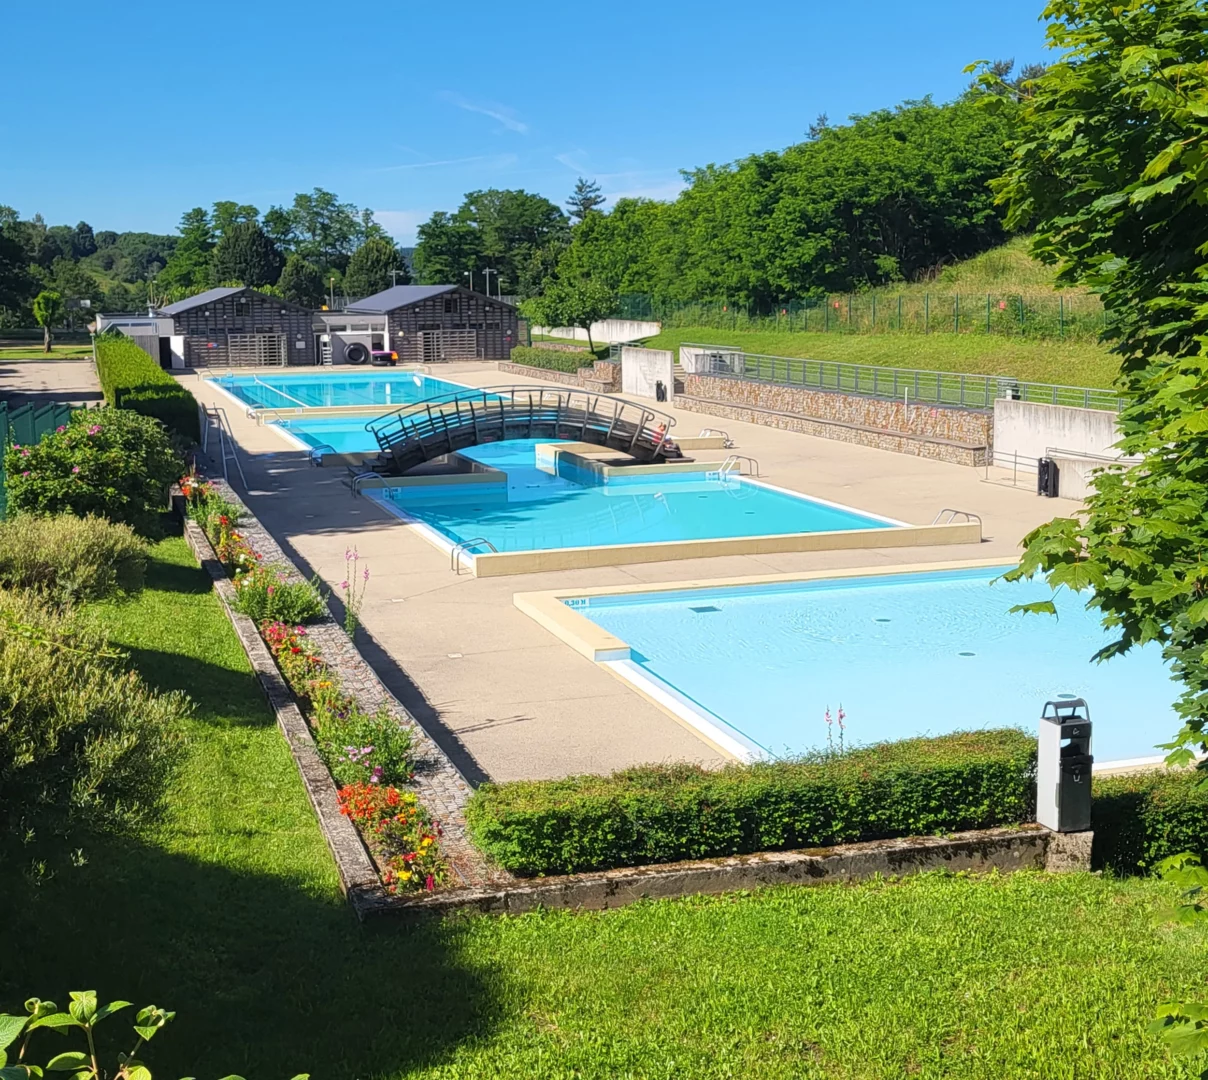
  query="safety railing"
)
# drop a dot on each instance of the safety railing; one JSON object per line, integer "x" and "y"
{"x": 910, "y": 385}
{"x": 708, "y": 432}
{"x": 948, "y": 516}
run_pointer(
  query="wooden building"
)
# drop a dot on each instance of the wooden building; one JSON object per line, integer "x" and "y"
{"x": 426, "y": 323}
{"x": 239, "y": 327}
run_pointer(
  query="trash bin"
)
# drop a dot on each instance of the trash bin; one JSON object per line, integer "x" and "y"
{"x": 1063, "y": 766}
{"x": 1048, "y": 478}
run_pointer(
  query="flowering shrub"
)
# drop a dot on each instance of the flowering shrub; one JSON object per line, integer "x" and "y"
{"x": 262, "y": 592}
{"x": 354, "y": 590}
{"x": 405, "y": 838}
{"x": 358, "y": 747}
{"x": 111, "y": 463}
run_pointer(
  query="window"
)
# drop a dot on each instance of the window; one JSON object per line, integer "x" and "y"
{"x": 335, "y": 328}
{"x": 430, "y": 326}
{"x": 494, "y": 326}
{"x": 360, "y": 327}
{"x": 452, "y": 305}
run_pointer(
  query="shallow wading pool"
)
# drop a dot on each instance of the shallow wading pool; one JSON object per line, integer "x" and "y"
{"x": 756, "y": 667}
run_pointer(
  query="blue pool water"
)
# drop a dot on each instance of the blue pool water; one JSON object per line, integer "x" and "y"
{"x": 904, "y": 655}
{"x": 343, "y": 434}
{"x": 330, "y": 387}
{"x": 538, "y": 509}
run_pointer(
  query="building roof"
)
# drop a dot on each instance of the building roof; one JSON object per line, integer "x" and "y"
{"x": 396, "y": 297}
{"x": 201, "y": 299}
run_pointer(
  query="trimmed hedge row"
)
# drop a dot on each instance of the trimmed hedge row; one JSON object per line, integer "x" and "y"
{"x": 551, "y": 359}
{"x": 130, "y": 379}
{"x": 665, "y": 813}
{"x": 1141, "y": 818}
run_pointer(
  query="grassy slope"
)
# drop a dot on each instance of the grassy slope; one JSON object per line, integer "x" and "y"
{"x": 229, "y": 913}
{"x": 1031, "y": 359}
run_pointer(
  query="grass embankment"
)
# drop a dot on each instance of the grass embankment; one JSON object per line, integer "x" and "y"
{"x": 36, "y": 352}
{"x": 229, "y": 912}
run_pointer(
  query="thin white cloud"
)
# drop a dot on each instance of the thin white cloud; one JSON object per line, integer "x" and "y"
{"x": 432, "y": 164}
{"x": 572, "y": 161}
{"x": 401, "y": 224}
{"x": 499, "y": 113}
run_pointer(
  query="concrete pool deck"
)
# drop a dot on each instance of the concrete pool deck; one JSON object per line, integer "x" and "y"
{"x": 503, "y": 696}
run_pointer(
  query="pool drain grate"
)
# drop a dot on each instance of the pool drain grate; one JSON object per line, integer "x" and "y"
{"x": 704, "y": 610}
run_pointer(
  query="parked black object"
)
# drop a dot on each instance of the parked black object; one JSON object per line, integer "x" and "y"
{"x": 1048, "y": 478}
{"x": 660, "y": 391}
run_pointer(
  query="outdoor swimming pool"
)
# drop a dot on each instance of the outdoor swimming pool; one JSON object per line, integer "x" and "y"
{"x": 563, "y": 506}
{"x": 335, "y": 434}
{"x": 903, "y": 655}
{"x": 335, "y": 388}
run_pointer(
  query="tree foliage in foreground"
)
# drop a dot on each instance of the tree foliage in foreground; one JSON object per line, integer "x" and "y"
{"x": 567, "y": 302}
{"x": 1112, "y": 168}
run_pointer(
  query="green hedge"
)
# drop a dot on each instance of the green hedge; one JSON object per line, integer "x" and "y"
{"x": 1141, "y": 818}
{"x": 551, "y": 359}
{"x": 664, "y": 813}
{"x": 130, "y": 379}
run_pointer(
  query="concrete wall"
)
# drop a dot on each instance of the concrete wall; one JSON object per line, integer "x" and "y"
{"x": 604, "y": 377}
{"x": 643, "y": 369}
{"x": 946, "y": 433}
{"x": 1030, "y": 429}
{"x": 604, "y": 331}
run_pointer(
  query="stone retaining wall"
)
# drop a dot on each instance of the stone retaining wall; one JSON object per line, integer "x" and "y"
{"x": 603, "y": 376}
{"x": 946, "y": 433}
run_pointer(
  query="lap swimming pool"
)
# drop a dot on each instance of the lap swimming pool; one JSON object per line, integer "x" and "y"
{"x": 756, "y": 667}
{"x": 330, "y": 388}
{"x": 545, "y": 503}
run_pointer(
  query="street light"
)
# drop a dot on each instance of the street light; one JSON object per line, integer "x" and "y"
{"x": 487, "y": 274}
{"x": 470, "y": 275}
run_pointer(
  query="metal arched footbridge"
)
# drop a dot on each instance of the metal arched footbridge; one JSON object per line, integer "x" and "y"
{"x": 428, "y": 429}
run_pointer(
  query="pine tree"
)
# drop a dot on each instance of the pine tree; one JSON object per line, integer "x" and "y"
{"x": 370, "y": 265}
{"x": 585, "y": 198}
{"x": 246, "y": 254}
{"x": 301, "y": 282}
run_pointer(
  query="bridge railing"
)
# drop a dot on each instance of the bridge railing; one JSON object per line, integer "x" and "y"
{"x": 496, "y": 409}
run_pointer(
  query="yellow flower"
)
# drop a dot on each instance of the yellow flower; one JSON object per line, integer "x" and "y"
{"x": 404, "y": 875}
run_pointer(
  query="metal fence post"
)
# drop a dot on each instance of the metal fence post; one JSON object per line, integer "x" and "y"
{"x": 987, "y": 313}
{"x": 1061, "y": 313}
{"x": 874, "y": 311}
{"x": 899, "y": 317}
{"x": 956, "y": 313}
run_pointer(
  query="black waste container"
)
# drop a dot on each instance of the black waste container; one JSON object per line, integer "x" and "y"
{"x": 1047, "y": 478}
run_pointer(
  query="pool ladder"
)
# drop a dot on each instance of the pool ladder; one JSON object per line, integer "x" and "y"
{"x": 315, "y": 454}
{"x": 948, "y": 516}
{"x": 354, "y": 480}
{"x": 707, "y": 431}
{"x": 733, "y": 464}
{"x": 463, "y": 548}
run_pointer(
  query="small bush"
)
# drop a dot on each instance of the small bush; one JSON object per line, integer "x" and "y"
{"x": 130, "y": 379}
{"x": 81, "y": 738}
{"x": 1141, "y": 818}
{"x": 108, "y": 462}
{"x": 550, "y": 359}
{"x": 71, "y": 558}
{"x": 262, "y": 592}
{"x": 664, "y": 813}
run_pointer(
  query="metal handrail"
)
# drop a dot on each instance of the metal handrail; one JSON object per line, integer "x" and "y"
{"x": 949, "y": 515}
{"x": 256, "y": 380}
{"x": 734, "y": 461}
{"x": 315, "y": 453}
{"x": 907, "y": 384}
{"x": 461, "y": 549}
{"x": 705, "y": 432}
{"x": 225, "y": 441}
{"x": 356, "y": 479}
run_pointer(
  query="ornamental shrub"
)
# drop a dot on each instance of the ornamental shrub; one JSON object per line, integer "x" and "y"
{"x": 1141, "y": 818}
{"x": 263, "y": 592}
{"x": 550, "y": 359}
{"x": 70, "y": 558}
{"x": 83, "y": 740}
{"x": 111, "y": 463}
{"x": 664, "y": 813}
{"x": 130, "y": 379}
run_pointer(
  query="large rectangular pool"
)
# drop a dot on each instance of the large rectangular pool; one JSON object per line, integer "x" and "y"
{"x": 901, "y": 654}
{"x": 551, "y": 503}
{"x": 330, "y": 388}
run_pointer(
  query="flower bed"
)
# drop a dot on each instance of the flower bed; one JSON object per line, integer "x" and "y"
{"x": 367, "y": 754}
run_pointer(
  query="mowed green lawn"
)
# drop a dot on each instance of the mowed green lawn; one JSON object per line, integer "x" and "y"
{"x": 229, "y": 913}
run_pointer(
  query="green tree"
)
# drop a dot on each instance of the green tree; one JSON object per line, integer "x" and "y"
{"x": 571, "y": 303}
{"x": 449, "y": 245}
{"x": 48, "y": 309}
{"x": 584, "y": 199}
{"x": 369, "y": 268}
{"x": 83, "y": 242}
{"x": 228, "y": 213}
{"x": 301, "y": 282}
{"x": 16, "y": 282}
{"x": 1111, "y": 169}
{"x": 246, "y": 254}
{"x": 189, "y": 265}
{"x": 318, "y": 226}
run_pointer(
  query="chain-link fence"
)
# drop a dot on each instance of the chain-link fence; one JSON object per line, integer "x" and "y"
{"x": 1078, "y": 316}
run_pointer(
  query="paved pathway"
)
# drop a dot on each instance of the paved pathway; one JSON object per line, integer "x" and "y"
{"x": 71, "y": 381}
{"x": 504, "y": 697}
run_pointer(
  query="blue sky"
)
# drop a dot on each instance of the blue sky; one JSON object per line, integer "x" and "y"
{"x": 152, "y": 108}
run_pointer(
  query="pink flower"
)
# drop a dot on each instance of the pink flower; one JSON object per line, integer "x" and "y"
{"x": 26, "y": 473}
{"x": 430, "y": 883}
{"x": 270, "y": 590}
{"x": 60, "y": 429}
{"x": 367, "y": 573}
{"x": 25, "y": 453}
{"x": 343, "y": 584}
{"x": 75, "y": 468}
{"x": 95, "y": 429}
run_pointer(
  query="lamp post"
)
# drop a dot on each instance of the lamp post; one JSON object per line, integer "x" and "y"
{"x": 470, "y": 275}
{"x": 487, "y": 274}
{"x": 331, "y": 298}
